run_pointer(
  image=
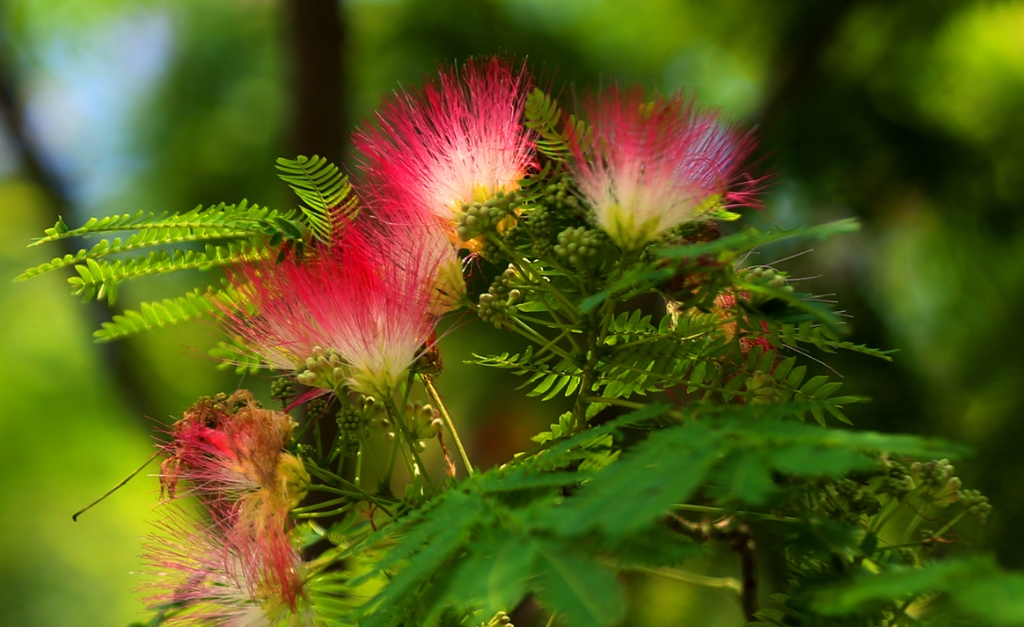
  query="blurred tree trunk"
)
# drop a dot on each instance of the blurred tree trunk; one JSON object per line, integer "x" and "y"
{"x": 120, "y": 361}
{"x": 316, "y": 42}
{"x": 317, "y": 37}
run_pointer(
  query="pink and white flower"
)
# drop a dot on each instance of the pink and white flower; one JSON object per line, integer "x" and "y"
{"x": 651, "y": 166}
{"x": 456, "y": 141}
{"x": 199, "y": 576}
{"x": 372, "y": 299}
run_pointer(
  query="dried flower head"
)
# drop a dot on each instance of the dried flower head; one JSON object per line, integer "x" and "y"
{"x": 454, "y": 142}
{"x": 230, "y": 451}
{"x": 651, "y": 166}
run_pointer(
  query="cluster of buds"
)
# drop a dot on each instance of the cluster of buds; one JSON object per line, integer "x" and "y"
{"x": 422, "y": 424}
{"x": 762, "y": 388}
{"x": 324, "y": 369}
{"x": 230, "y": 451}
{"x": 501, "y": 619}
{"x": 540, "y": 225}
{"x": 282, "y": 388}
{"x": 935, "y": 482}
{"x": 494, "y": 306}
{"x": 477, "y": 218}
{"x": 896, "y": 483}
{"x": 577, "y": 244}
{"x": 355, "y": 418}
{"x": 317, "y": 407}
{"x": 977, "y": 504}
{"x": 762, "y": 276}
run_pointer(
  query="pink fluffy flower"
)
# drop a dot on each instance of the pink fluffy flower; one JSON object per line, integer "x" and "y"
{"x": 364, "y": 307}
{"x": 456, "y": 141}
{"x": 198, "y": 576}
{"x": 654, "y": 165}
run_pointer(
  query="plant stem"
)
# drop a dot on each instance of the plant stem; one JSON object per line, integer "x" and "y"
{"x": 357, "y": 478}
{"x": 915, "y": 522}
{"x": 326, "y": 488}
{"x": 528, "y": 332}
{"x": 727, "y": 583}
{"x": 428, "y": 383}
{"x": 316, "y": 506}
{"x": 361, "y": 495}
{"x": 702, "y": 509}
{"x": 333, "y": 512}
{"x": 400, "y": 431}
{"x": 522, "y": 264}
{"x": 330, "y": 476}
{"x": 74, "y": 517}
{"x": 942, "y": 530}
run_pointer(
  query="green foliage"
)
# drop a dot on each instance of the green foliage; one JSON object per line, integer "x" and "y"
{"x": 599, "y": 493}
{"x": 977, "y": 589}
{"x": 822, "y": 337}
{"x": 544, "y": 117}
{"x": 325, "y": 191}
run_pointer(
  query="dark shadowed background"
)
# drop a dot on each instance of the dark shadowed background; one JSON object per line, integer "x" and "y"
{"x": 907, "y": 114}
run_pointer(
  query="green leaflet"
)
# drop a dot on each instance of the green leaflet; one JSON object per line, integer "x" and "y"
{"x": 99, "y": 279}
{"x": 751, "y": 239}
{"x": 251, "y": 219}
{"x": 170, "y": 311}
{"x": 575, "y": 588}
{"x": 640, "y": 487}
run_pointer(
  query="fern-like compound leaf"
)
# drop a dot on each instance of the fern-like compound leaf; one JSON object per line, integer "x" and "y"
{"x": 544, "y": 116}
{"x": 251, "y": 219}
{"x": 100, "y": 279}
{"x": 325, "y": 191}
{"x": 170, "y": 311}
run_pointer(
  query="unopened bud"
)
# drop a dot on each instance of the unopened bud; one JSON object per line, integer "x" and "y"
{"x": 294, "y": 478}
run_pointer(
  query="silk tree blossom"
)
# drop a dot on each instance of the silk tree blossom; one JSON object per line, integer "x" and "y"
{"x": 198, "y": 576}
{"x": 651, "y": 166}
{"x": 455, "y": 142}
{"x": 364, "y": 306}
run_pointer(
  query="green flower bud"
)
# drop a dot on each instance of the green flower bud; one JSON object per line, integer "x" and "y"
{"x": 282, "y": 388}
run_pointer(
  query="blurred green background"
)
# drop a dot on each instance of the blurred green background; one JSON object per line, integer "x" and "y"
{"x": 907, "y": 114}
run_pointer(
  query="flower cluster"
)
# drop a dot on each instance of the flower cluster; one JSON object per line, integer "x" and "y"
{"x": 353, "y": 313}
{"x": 240, "y": 560}
{"x": 359, "y": 311}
